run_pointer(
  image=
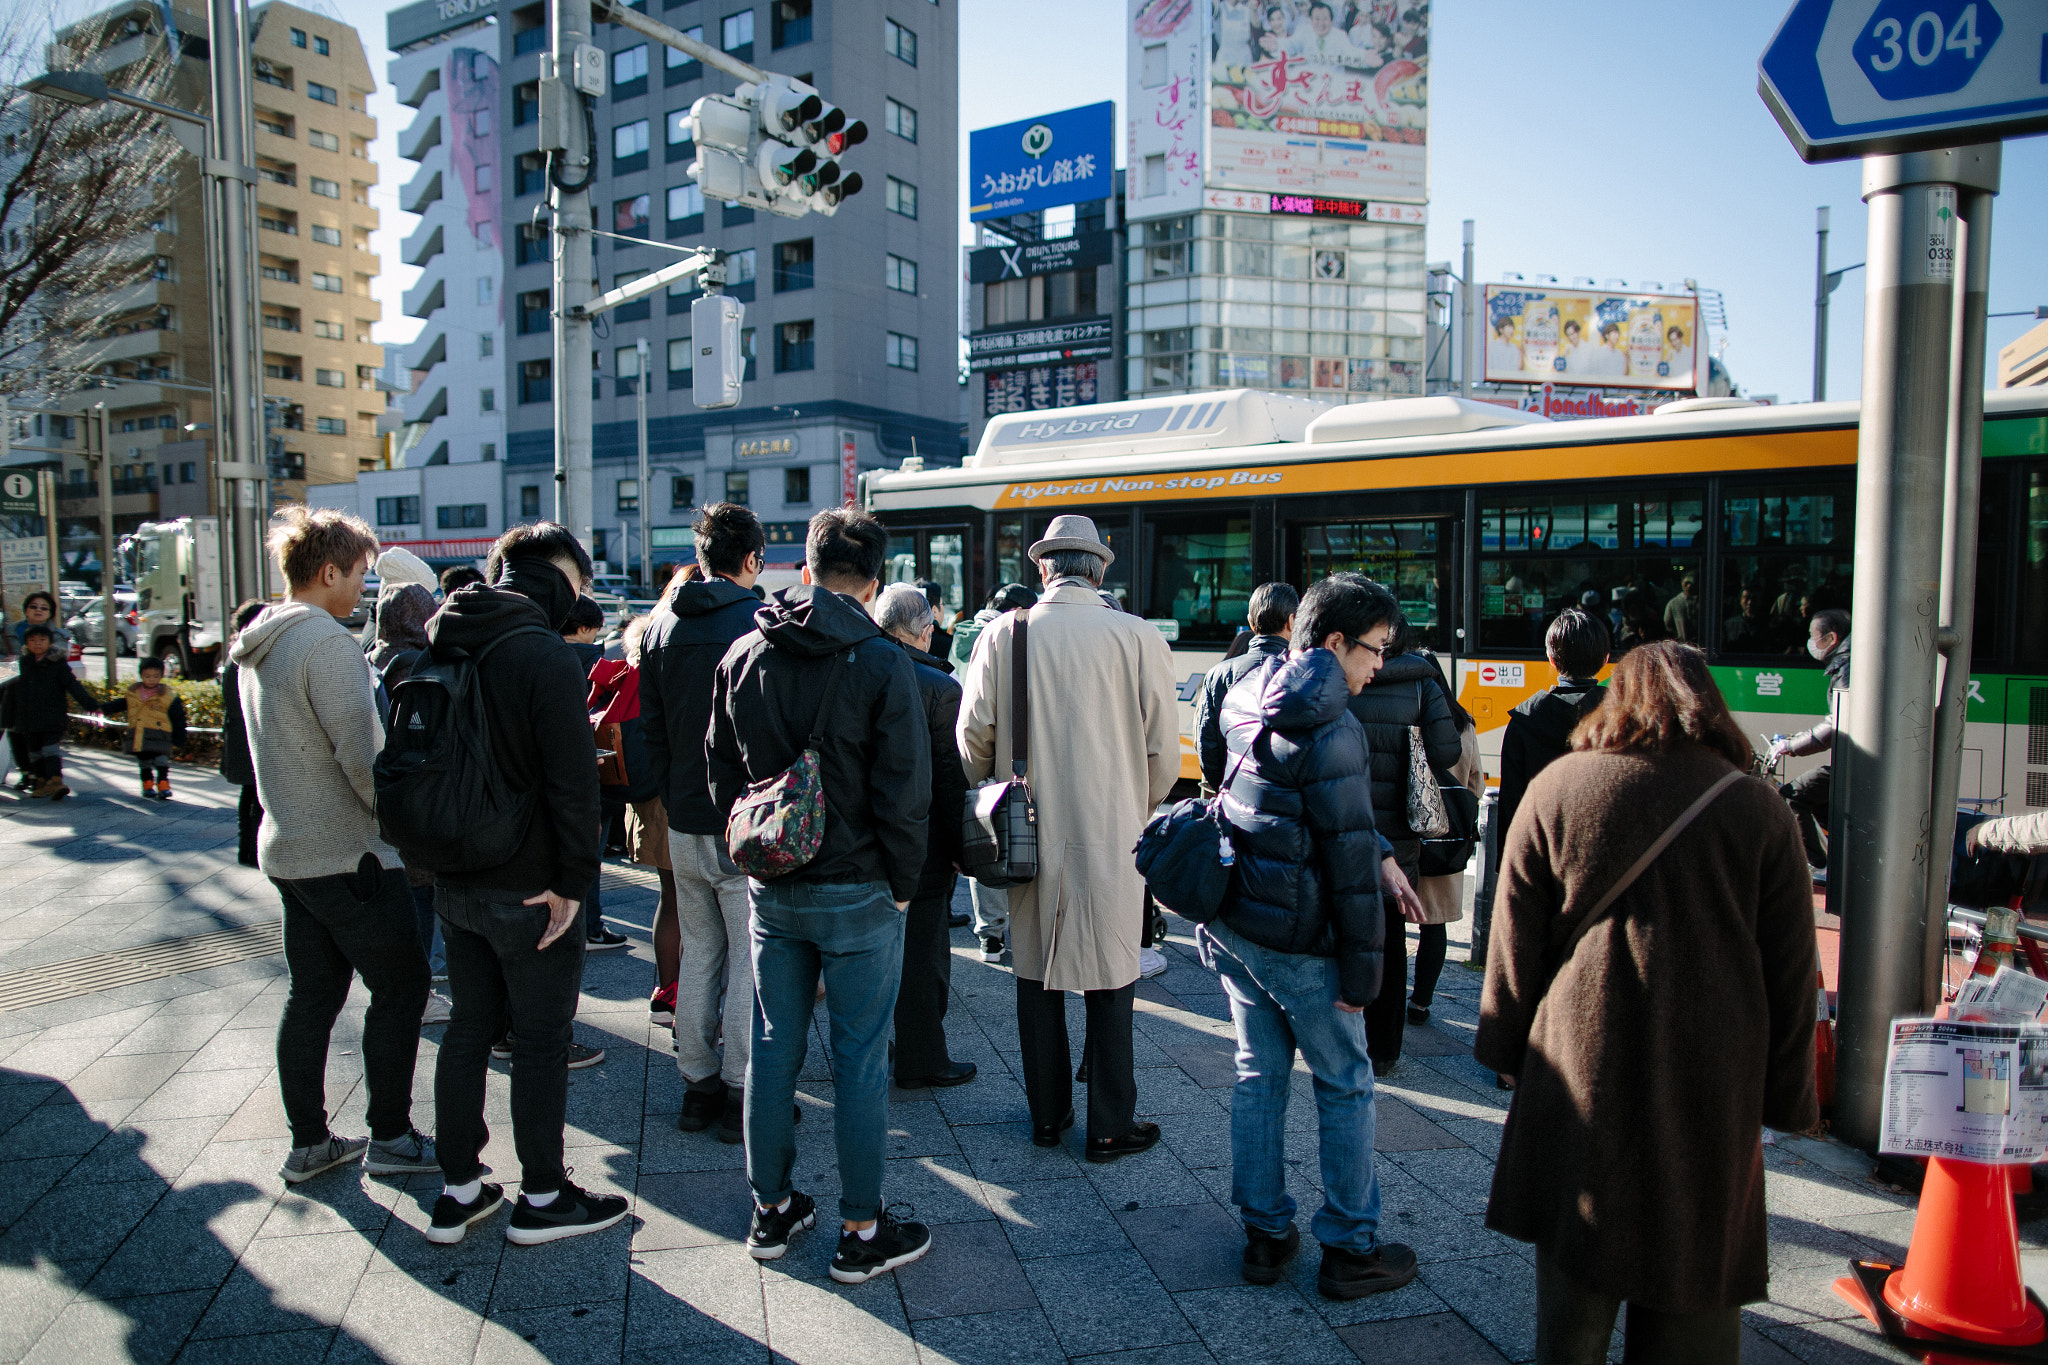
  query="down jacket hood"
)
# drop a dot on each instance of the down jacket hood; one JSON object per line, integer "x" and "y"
{"x": 812, "y": 622}
{"x": 1302, "y": 692}
{"x": 703, "y": 597}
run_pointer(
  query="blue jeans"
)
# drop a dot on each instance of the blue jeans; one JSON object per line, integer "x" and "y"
{"x": 853, "y": 933}
{"x": 1280, "y": 1002}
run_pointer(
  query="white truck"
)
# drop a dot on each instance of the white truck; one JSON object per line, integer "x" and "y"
{"x": 178, "y": 586}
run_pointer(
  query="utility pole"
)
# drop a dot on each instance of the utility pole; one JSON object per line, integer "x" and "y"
{"x": 240, "y": 462}
{"x": 97, "y": 417}
{"x": 1820, "y": 304}
{"x": 646, "y": 546}
{"x": 1898, "y": 756}
{"x": 1469, "y": 313}
{"x": 574, "y": 76}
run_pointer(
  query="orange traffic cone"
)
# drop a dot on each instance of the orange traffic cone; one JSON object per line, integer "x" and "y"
{"x": 1962, "y": 1274}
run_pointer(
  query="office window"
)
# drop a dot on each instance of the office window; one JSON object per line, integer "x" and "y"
{"x": 525, "y": 104}
{"x": 398, "y": 511}
{"x": 682, "y": 491}
{"x": 328, "y": 284}
{"x": 796, "y": 487}
{"x": 630, "y": 65}
{"x": 187, "y": 472}
{"x": 320, "y": 47}
{"x": 629, "y": 216}
{"x": 489, "y": 453}
{"x": 326, "y": 189}
{"x": 899, "y": 274}
{"x": 630, "y": 139}
{"x": 681, "y": 65}
{"x": 1152, "y": 65}
{"x": 487, "y": 400}
{"x": 902, "y": 351}
{"x": 329, "y": 331}
{"x": 626, "y": 362}
{"x": 899, "y": 42}
{"x": 796, "y": 347}
{"x": 462, "y": 516}
{"x": 628, "y": 493}
{"x": 737, "y": 31}
{"x": 789, "y": 23}
{"x": 298, "y": 37}
{"x": 486, "y": 345}
{"x": 899, "y": 197}
{"x": 793, "y": 265}
{"x": 326, "y": 236}
{"x": 679, "y": 356}
{"x": 685, "y": 201}
{"x": 534, "y": 310}
{"x": 900, "y": 119}
{"x": 536, "y": 381}
{"x": 680, "y": 131}
{"x": 330, "y": 426}
{"x": 326, "y": 94}
{"x": 333, "y": 379}
{"x": 486, "y": 292}
{"x": 529, "y": 174}
{"x": 326, "y": 142}
{"x": 739, "y": 266}
{"x": 736, "y": 486}
{"x": 529, "y": 500}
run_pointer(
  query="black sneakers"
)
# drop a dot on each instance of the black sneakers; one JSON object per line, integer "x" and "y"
{"x": 1348, "y": 1275}
{"x": 571, "y": 1213}
{"x": 604, "y": 939}
{"x": 894, "y": 1243}
{"x": 1265, "y": 1254}
{"x": 768, "y": 1236}
{"x": 452, "y": 1219}
{"x": 701, "y": 1109}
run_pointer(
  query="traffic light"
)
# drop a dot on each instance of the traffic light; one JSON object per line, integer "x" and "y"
{"x": 773, "y": 144}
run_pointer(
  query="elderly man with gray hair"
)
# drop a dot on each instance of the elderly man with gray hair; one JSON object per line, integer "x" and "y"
{"x": 905, "y": 615}
{"x": 1103, "y": 749}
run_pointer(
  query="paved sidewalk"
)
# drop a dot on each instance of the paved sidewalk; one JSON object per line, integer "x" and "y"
{"x": 142, "y": 1218}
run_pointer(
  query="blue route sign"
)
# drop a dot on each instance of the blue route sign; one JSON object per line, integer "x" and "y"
{"x": 1038, "y": 163}
{"x": 1847, "y": 78}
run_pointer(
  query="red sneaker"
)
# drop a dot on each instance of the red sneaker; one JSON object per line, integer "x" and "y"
{"x": 661, "y": 1006}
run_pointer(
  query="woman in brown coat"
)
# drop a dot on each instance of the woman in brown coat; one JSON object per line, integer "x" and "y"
{"x": 1651, "y": 1042}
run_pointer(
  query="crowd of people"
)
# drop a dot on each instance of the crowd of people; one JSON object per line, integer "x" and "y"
{"x": 795, "y": 767}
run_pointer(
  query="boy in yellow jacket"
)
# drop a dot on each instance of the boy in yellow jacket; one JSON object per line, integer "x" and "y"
{"x": 156, "y": 725}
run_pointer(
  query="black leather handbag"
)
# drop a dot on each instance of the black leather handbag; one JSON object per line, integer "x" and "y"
{"x": 999, "y": 832}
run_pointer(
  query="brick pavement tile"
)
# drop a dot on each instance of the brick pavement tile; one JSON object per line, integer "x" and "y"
{"x": 59, "y": 1059}
{"x": 1005, "y": 1152}
{"x": 171, "y": 1249}
{"x": 1170, "y": 1090}
{"x": 1803, "y": 1293}
{"x": 284, "y": 1284}
{"x": 1810, "y": 1190}
{"x": 336, "y": 1201}
{"x": 702, "y": 1209}
{"x": 703, "y": 1303}
{"x": 941, "y": 1188}
{"x": 812, "y": 1322}
{"x": 1496, "y": 1294}
{"x": 1192, "y": 1246}
{"x": 1437, "y": 1339}
{"x": 1459, "y": 1176}
{"x": 400, "y": 1320}
{"x": 1886, "y": 1234}
{"x": 236, "y": 1049}
{"x": 565, "y": 1334}
{"x": 1796, "y": 1241}
{"x": 121, "y": 1077}
{"x": 1481, "y": 1135}
{"x": 196, "y": 1094}
{"x": 1148, "y": 1180}
{"x": 79, "y": 1223}
{"x": 24, "y": 1182}
{"x": 1054, "y": 1217}
{"x": 1439, "y": 1098}
{"x": 145, "y": 1331}
{"x": 1106, "y": 1300}
{"x": 90, "y": 1017}
{"x": 58, "y": 1127}
{"x": 1851, "y": 1342}
{"x": 1430, "y": 1041}
{"x": 1021, "y": 1337}
{"x": 990, "y": 1099}
{"x": 1183, "y": 1353}
{"x": 919, "y": 1127}
{"x": 970, "y": 1269}
{"x": 1258, "y": 1325}
{"x": 167, "y": 1031}
{"x": 1198, "y": 1140}
{"x": 161, "y": 1149}
{"x": 1400, "y": 1129}
{"x": 305, "y": 1346}
{"x": 1211, "y": 1064}
{"x": 574, "y": 1271}
{"x": 663, "y": 1148}
{"x": 34, "y": 1295}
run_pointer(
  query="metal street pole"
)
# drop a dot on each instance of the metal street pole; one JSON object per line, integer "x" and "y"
{"x": 572, "y": 224}
{"x": 98, "y": 418}
{"x": 1468, "y": 342}
{"x": 240, "y": 461}
{"x": 646, "y": 546}
{"x": 1820, "y": 305}
{"x": 1885, "y": 756}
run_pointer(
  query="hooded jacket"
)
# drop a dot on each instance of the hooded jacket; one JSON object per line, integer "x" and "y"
{"x": 1300, "y": 801}
{"x": 1216, "y": 685}
{"x": 533, "y": 688}
{"x": 313, "y": 734}
{"x": 1539, "y": 732}
{"x": 939, "y": 692}
{"x": 679, "y": 656}
{"x": 1406, "y": 691}
{"x": 875, "y": 748}
{"x": 37, "y": 699}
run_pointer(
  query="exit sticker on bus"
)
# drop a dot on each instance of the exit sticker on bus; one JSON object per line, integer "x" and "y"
{"x": 1501, "y": 675}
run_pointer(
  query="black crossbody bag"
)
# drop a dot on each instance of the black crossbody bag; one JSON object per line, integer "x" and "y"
{"x": 999, "y": 833}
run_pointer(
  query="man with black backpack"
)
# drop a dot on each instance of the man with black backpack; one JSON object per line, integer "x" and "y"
{"x": 817, "y": 704}
{"x": 490, "y": 782}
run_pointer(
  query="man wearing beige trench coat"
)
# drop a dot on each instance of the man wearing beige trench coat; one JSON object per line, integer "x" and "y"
{"x": 1103, "y": 751}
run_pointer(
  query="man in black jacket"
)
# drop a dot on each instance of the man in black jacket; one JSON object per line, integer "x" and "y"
{"x": 815, "y": 675}
{"x": 678, "y": 661}
{"x": 1271, "y": 615}
{"x": 905, "y": 616}
{"x": 1810, "y": 793}
{"x": 507, "y": 930}
{"x": 1539, "y": 731}
{"x": 1300, "y": 940}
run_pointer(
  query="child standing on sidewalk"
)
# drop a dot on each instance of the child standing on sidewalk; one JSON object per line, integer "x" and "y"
{"x": 156, "y": 725}
{"x": 36, "y": 710}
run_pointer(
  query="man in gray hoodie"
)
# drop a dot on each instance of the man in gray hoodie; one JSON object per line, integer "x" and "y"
{"x": 313, "y": 734}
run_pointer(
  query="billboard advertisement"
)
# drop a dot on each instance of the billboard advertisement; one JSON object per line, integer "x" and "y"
{"x": 1168, "y": 56}
{"x": 1319, "y": 97}
{"x": 1582, "y": 336}
{"x": 1040, "y": 163}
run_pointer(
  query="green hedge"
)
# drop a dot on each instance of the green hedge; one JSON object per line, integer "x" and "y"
{"x": 202, "y": 708}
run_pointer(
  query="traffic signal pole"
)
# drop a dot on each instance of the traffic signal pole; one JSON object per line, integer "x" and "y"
{"x": 1899, "y": 751}
{"x": 241, "y": 464}
{"x": 572, "y": 165}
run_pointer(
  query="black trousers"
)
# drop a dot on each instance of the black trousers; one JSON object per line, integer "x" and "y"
{"x": 496, "y": 971}
{"x": 335, "y": 927}
{"x": 1433, "y": 942}
{"x": 1807, "y": 795}
{"x": 1573, "y": 1324}
{"x": 248, "y": 819}
{"x": 1386, "y": 1018}
{"x": 927, "y": 983}
{"x": 1049, "y": 1063}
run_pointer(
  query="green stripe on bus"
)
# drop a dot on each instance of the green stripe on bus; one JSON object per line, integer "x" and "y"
{"x": 1804, "y": 692}
{"x": 2012, "y": 436}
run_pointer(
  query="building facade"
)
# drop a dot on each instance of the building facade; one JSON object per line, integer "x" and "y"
{"x": 2024, "y": 360}
{"x": 851, "y": 321}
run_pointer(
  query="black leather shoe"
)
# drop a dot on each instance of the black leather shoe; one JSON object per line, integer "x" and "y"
{"x": 1264, "y": 1254}
{"x": 1048, "y": 1135}
{"x": 701, "y": 1109}
{"x": 1143, "y": 1137}
{"x": 952, "y": 1073}
{"x": 1418, "y": 1014}
{"x": 959, "y": 921}
{"x": 1348, "y": 1275}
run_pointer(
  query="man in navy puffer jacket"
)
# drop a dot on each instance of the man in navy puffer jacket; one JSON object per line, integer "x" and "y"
{"x": 1300, "y": 938}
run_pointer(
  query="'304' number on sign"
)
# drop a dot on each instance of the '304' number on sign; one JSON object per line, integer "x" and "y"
{"x": 1924, "y": 40}
{"x": 1914, "y": 48}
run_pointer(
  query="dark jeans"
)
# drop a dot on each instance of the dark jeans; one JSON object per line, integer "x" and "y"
{"x": 927, "y": 981}
{"x": 593, "y": 907}
{"x": 335, "y": 927}
{"x": 1573, "y": 1324}
{"x": 1429, "y": 961}
{"x": 1049, "y": 1065}
{"x": 496, "y": 971}
{"x": 429, "y": 925}
{"x": 248, "y": 819}
{"x": 1807, "y": 795}
{"x": 1387, "y": 1016}
{"x": 45, "y": 752}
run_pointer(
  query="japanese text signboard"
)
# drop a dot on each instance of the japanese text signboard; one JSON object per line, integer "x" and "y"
{"x": 1041, "y": 163}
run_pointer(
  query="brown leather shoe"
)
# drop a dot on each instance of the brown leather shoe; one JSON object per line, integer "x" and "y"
{"x": 1348, "y": 1275}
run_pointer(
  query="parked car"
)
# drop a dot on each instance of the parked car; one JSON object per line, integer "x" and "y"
{"x": 85, "y": 624}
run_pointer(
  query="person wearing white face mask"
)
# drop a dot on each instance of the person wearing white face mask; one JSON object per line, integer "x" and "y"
{"x": 1828, "y": 642}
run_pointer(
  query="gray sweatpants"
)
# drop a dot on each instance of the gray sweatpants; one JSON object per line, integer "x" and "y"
{"x": 715, "y": 985}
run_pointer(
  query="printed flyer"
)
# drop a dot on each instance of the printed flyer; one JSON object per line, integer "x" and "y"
{"x": 1968, "y": 1090}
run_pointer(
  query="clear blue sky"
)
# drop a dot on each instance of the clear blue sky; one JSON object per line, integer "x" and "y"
{"x": 1616, "y": 140}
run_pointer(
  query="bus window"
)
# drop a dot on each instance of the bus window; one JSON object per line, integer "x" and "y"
{"x": 1799, "y": 560}
{"x": 2031, "y": 646}
{"x": 1201, "y": 574}
{"x": 899, "y": 565}
{"x": 948, "y": 556}
{"x": 1597, "y": 550}
{"x": 1116, "y": 534}
{"x": 1010, "y": 553}
{"x": 1406, "y": 556}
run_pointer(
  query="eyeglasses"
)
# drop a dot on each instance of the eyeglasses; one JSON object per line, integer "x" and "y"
{"x": 1379, "y": 651}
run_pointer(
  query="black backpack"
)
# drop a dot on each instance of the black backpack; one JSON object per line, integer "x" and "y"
{"x": 1448, "y": 855}
{"x": 442, "y": 800}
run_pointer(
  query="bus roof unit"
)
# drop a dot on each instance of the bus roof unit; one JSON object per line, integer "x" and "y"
{"x": 1441, "y": 415}
{"x": 1202, "y": 421}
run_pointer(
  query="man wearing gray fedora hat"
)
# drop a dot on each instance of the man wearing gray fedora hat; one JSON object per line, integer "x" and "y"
{"x": 1102, "y": 750}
